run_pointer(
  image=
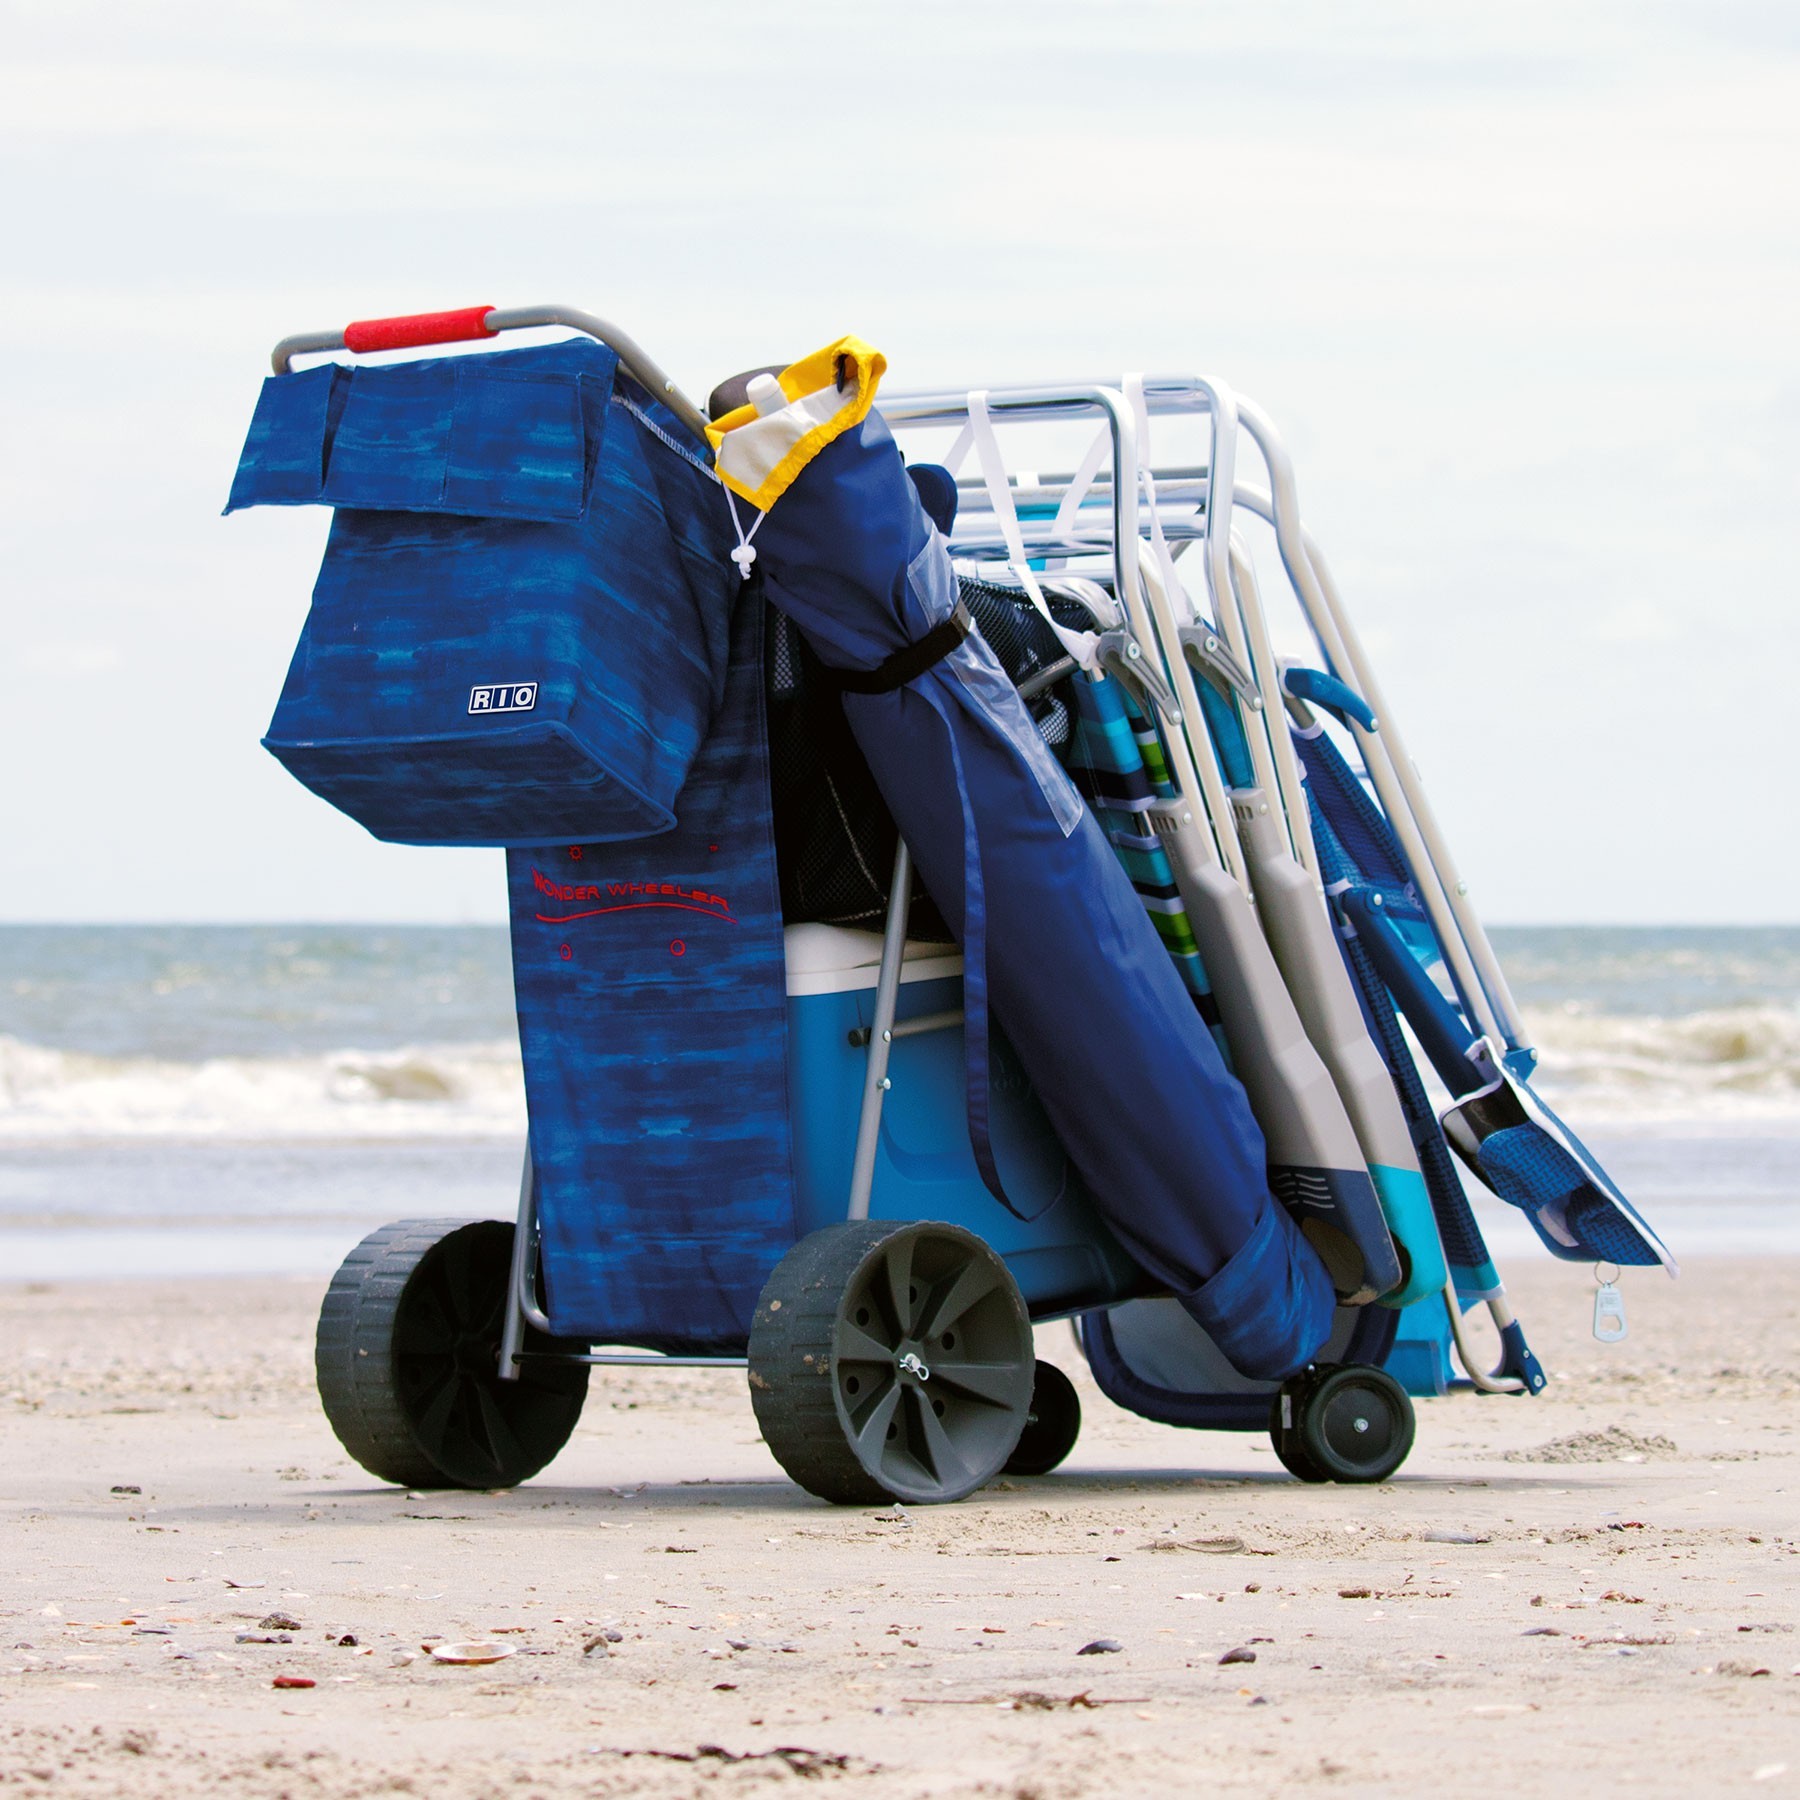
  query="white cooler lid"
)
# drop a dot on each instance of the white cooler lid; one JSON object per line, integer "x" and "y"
{"x": 828, "y": 959}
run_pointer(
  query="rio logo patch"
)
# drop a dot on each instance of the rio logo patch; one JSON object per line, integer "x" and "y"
{"x": 504, "y": 696}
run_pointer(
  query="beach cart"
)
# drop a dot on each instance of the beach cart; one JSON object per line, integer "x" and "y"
{"x": 929, "y": 919}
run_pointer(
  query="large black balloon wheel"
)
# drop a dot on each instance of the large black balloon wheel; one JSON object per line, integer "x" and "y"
{"x": 1051, "y": 1426}
{"x": 1346, "y": 1422}
{"x": 891, "y": 1362}
{"x": 407, "y": 1361}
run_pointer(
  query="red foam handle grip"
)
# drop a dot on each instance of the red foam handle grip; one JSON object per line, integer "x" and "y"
{"x": 414, "y": 329}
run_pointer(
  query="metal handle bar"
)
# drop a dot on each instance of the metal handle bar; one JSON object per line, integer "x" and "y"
{"x": 1474, "y": 968}
{"x": 988, "y": 546}
{"x": 1055, "y": 400}
{"x": 471, "y": 323}
{"x": 948, "y": 407}
{"x": 1180, "y": 505}
{"x": 1174, "y": 472}
{"x": 1161, "y": 393}
{"x": 1194, "y": 764}
{"x": 1186, "y": 488}
{"x": 1404, "y": 792}
{"x": 1061, "y": 400}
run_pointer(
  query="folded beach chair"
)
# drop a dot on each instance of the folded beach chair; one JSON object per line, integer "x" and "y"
{"x": 1500, "y": 1128}
{"x": 1316, "y": 1166}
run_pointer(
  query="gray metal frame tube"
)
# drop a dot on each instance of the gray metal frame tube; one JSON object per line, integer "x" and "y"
{"x": 881, "y": 1036}
{"x": 522, "y": 1306}
{"x": 632, "y": 357}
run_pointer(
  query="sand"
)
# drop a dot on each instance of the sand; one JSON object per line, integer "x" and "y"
{"x": 1573, "y": 1595}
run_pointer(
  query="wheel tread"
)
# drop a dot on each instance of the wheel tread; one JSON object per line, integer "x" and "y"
{"x": 1311, "y": 1443}
{"x": 792, "y": 1386}
{"x": 359, "y": 1312}
{"x": 354, "y": 1360}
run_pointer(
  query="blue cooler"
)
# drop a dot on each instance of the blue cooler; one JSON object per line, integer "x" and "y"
{"x": 1062, "y": 1256}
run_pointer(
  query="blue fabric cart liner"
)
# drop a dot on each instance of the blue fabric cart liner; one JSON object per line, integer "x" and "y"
{"x": 653, "y": 1020}
{"x": 519, "y": 633}
{"x": 1107, "y": 1032}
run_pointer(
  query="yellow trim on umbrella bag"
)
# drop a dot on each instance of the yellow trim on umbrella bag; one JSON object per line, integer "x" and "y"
{"x": 758, "y": 456}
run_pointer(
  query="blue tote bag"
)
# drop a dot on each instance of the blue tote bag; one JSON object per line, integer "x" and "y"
{"x": 520, "y": 632}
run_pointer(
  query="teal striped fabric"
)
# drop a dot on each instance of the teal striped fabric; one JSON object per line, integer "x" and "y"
{"x": 1117, "y": 762}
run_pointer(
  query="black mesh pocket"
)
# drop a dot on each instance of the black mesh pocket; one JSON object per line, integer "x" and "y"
{"x": 1025, "y": 646}
{"x": 834, "y": 836}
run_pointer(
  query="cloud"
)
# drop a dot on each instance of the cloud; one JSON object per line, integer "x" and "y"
{"x": 1517, "y": 283}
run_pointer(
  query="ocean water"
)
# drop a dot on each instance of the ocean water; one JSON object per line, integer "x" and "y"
{"x": 230, "y": 1099}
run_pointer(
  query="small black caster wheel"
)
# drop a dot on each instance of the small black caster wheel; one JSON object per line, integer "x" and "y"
{"x": 1343, "y": 1423}
{"x": 407, "y": 1361}
{"x": 1284, "y": 1426}
{"x": 891, "y": 1361}
{"x": 1051, "y": 1426}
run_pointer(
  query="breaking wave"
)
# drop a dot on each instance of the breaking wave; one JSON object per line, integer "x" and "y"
{"x": 1730, "y": 1064}
{"x": 434, "y": 1090}
{"x": 1725, "y": 1063}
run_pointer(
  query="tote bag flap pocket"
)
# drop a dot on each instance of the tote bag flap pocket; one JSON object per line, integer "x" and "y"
{"x": 476, "y": 667}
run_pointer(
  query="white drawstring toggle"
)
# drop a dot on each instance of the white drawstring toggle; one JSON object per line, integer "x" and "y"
{"x": 745, "y": 553}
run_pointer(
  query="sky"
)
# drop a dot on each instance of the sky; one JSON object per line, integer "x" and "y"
{"x": 1518, "y": 285}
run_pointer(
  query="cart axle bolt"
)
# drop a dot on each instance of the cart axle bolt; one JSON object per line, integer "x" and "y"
{"x": 909, "y": 1364}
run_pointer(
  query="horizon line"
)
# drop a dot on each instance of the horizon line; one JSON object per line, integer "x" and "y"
{"x": 502, "y": 924}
